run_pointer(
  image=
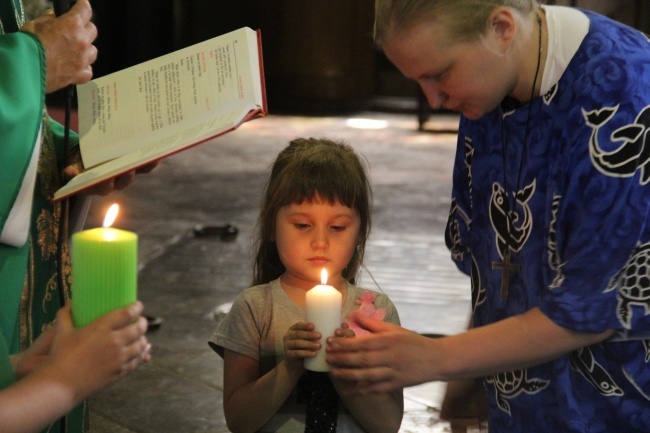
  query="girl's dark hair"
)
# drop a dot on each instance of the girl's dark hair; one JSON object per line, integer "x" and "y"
{"x": 306, "y": 168}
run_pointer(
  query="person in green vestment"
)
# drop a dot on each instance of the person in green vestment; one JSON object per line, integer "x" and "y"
{"x": 48, "y": 367}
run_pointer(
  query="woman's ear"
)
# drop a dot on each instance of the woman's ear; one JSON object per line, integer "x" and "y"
{"x": 502, "y": 27}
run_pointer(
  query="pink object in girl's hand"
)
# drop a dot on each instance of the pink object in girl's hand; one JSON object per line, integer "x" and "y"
{"x": 366, "y": 309}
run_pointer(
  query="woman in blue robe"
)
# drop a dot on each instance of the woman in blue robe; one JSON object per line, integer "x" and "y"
{"x": 549, "y": 215}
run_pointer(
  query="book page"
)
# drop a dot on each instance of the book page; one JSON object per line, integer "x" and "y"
{"x": 156, "y": 150}
{"x": 172, "y": 96}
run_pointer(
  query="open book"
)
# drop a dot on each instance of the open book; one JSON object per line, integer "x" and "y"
{"x": 149, "y": 111}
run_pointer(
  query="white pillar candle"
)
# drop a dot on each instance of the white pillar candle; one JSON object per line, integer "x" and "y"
{"x": 323, "y": 308}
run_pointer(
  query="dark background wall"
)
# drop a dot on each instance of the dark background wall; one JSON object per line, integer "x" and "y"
{"x": 318, "y": 54}
{"x": 132, "y": 31}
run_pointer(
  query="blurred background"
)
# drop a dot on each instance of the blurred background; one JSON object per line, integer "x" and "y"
{"x": 319, "y": 55}
{"x": 323, "y": 75}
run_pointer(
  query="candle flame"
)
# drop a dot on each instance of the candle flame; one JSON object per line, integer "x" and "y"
{"x": 323, "y": 276}
{"x": 111, "y": 215}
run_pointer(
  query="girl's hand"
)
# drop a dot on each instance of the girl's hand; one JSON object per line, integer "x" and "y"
{"x": 300, "y": 341}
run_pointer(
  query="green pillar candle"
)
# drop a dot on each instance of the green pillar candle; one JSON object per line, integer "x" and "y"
{"x": 104, "y": 272}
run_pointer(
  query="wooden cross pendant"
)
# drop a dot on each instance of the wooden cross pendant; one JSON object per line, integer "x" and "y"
{"x": 506, "y": 266}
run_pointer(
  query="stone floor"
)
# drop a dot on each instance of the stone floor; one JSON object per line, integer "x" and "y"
{"x": 188, "y": 280}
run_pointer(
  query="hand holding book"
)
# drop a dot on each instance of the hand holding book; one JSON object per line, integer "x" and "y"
{"x": 137, "y": 116}
{"x": 76, "y": 166}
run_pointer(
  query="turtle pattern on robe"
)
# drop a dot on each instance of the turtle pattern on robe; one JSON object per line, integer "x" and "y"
{"x": 510, "y": 384}
{"x": 633, "y": 285}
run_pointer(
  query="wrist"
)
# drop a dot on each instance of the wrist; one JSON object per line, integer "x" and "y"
{"x": 69, "y": 386}
{"x": 295, "y": 367}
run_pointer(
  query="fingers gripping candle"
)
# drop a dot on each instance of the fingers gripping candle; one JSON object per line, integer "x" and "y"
{"x": 104, "y": 270}
{"x": 323, "y": 308}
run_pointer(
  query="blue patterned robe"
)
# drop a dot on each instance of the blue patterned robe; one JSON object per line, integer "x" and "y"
{"x": 580, "y": 231}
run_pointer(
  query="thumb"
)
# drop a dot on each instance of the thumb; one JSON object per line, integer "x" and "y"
{"x": 64, "y": 317}
{"x": 121, "y": 317}
{"x": 71, "y": 171}
{"x": 370, "y": 324}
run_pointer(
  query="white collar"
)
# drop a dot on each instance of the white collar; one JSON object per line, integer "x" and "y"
{"x": 567, "y": 28}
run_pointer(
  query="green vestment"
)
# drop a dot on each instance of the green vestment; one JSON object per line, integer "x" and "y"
{"x": 21, "y": 107}
{"x": 35, "y": 277}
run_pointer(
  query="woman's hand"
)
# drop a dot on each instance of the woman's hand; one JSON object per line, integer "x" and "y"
{"x": 388, "y": 359}
{"x": 344, "y": 331}
{"x": 344, "y": 386}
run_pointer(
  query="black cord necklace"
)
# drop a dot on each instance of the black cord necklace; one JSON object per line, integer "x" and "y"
{"x": 61, "y": 7}
{"x": 506, "y": 266}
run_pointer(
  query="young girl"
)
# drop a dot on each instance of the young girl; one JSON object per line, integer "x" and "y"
{"x": 315, "y": 214}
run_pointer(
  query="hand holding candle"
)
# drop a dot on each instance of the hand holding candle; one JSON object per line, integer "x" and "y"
{"x": 104, "y": 270}
{"x": 323, "y": 308}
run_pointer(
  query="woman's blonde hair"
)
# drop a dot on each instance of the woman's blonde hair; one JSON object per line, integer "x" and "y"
{"x": 465, "y": 20}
